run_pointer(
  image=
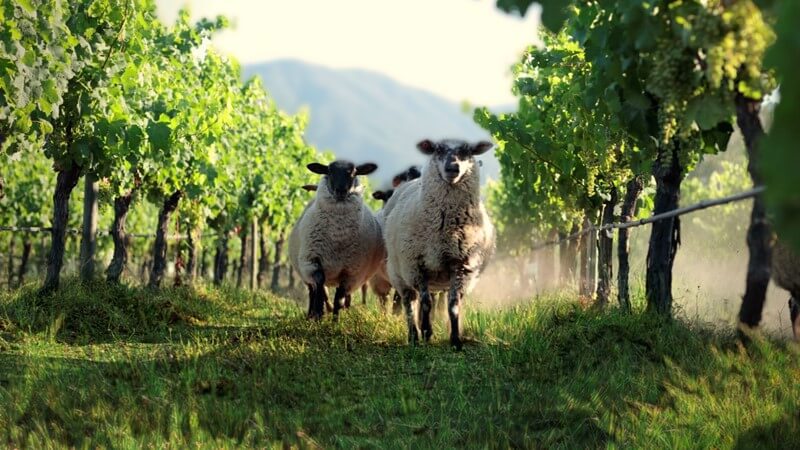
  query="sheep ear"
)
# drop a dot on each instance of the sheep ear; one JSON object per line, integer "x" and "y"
{"x": 310, "y": 187}
{"x": 481, "y": 147}
{"x": 318, "y": 168}
{"x": 426, "y": 147}
{"x": 366, "y": 169}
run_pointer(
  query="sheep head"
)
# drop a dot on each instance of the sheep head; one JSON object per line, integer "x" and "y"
{"x": 453, "y": 158}
{"x": 340, "y": 177}
{"x": 383, "y": 196}
{"x": 412, "y": 173}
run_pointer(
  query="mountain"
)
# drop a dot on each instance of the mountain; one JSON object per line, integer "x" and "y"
{"x": 365, "y": 116}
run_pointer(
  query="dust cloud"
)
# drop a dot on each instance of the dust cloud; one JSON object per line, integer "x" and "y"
{"x": 708, "y": 275}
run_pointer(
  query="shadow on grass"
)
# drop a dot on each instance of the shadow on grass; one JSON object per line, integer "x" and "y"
{"x": 248, "y": 390}
{"x": 781, "y": 434}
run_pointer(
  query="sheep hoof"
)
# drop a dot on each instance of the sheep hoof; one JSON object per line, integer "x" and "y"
{"x": 455, "y": 341}
{"x": 427, "y": 334}
{"x": 413, "y": 337}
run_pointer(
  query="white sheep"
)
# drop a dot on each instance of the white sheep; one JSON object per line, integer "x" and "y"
{"x": 337, "y": 240}
{"x": 438, "y": 235}
{"x": 786, "y": 274}
{"x": 296, "y": 236}
{"x": 380, "y": 284}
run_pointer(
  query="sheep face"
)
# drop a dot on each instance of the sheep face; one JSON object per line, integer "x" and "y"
{"x": 412, "y": 173}
{"x": 453, "y": 158}
{"x": 383, "y": 196}
{"x": 340, "y": 177}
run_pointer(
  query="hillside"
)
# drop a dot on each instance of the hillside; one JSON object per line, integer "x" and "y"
{"x": 362, "y": 115}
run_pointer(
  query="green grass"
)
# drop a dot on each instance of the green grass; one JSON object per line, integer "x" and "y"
{"x": 119, "y": 367}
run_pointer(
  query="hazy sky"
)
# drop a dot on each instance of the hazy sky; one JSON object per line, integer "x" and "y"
{"x": 459, "y": 49}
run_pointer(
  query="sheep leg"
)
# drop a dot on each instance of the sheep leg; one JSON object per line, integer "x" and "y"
{"x": 397, "y": 304}
{"x": 425, "y": 311}
{"x": 364, "y": 294}
{"x": 320, "y": 296}
{"x": 348, "y": 299}
{"x": 454, "y": 304}
{"x": 341, "y": 293}
{"x": 384, "y": 298}
{"x": 310, "y": 300}
{"x": 409, "y": 302}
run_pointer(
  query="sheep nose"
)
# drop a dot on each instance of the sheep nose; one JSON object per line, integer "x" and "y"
{"x": 450, "y": 164}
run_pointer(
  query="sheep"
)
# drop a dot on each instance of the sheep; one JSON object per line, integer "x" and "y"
{"x": 349, "y": 297}
{"x": 438, "y": 234}
{"x": 786, "y": 274}
{"x": 337, "y": 240}
{"x": 409, "y": 174}
{"x": 380, "y": 283}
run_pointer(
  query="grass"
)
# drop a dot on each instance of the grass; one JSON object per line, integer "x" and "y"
{"x": 119, "y": 367}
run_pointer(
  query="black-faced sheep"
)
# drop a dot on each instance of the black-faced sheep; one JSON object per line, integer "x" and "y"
{"x": 380, "y": 284}
{"x": 438, "y": 234}
{"x": 412, "y": 173}
{"x": 337, "y": 240}
{"x": 348, "y": 298}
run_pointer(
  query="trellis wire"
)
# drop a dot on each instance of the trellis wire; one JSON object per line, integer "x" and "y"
{"x": 99, "y": 232}
{"x": 655, "y": 218}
